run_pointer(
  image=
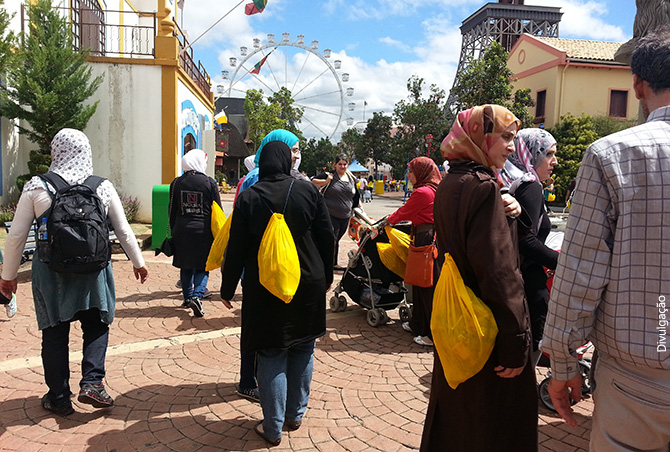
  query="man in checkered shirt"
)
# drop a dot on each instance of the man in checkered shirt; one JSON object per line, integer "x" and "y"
{"x": 613, "y": 274}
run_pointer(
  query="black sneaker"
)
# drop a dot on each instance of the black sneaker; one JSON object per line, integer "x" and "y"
{"x": 207, "y": 294}
{"x": 95, "y": 395}
{"x": 178, "y": 284}
{"x": 196, "y": 305}
{"x": 60, "y": 407}
{"x": 186, "y": 303}
{"x": 249, "y": 393}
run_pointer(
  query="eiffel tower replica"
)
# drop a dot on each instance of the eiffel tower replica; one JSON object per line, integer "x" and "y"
{"x": 503, "y": 22}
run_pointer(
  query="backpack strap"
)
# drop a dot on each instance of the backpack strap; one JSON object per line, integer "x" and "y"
{"x": 285, "y": 202}
{"x": 93, "y": 182}
{"x": 55, "y": 180}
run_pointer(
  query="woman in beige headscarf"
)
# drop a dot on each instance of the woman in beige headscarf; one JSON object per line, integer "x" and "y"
{"x": 496, "y": 409}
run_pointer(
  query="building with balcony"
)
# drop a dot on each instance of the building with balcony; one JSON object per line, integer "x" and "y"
{"x": 155, "y": 101}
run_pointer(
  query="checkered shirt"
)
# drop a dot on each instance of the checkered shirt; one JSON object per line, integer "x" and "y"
{"x": 613, "y": 272}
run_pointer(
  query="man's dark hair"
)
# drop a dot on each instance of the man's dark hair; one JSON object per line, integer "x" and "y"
{"x": 651, "y": 59}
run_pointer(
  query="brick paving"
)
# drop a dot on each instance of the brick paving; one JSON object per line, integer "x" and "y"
{"x": 173, "y": 377}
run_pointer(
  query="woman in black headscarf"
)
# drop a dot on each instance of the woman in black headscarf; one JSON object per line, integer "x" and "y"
{"x": 282, "y": 335}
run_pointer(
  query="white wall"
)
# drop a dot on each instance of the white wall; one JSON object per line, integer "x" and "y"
{"x": 125, "y": 131}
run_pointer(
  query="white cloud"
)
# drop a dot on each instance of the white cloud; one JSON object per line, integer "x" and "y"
{"x": 583, "y": 19}
{"x": 395, "y": 44}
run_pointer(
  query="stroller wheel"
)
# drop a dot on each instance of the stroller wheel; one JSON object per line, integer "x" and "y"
{"x": 375, "y": 317}
{"x": 585, "y": 370}
{"x": 338, "y": 303}
{"x": 405, "y": 313}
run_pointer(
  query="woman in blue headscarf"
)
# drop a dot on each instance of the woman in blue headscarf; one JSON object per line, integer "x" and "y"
{"x": 285, "y": 136}
{"x": 248, "y": 387}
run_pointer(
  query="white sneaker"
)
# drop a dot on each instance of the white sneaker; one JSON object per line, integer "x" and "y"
{"x": 406, "y": 327}
{"x": 423, "y": 340}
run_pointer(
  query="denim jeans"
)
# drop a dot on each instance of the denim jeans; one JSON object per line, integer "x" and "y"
{"x": 193, "y": 282}
{"x": 284, "y": 377}
{"x": 55, "y": 353}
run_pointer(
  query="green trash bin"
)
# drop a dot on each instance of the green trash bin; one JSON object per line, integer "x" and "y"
{"x": 160, "y": 220}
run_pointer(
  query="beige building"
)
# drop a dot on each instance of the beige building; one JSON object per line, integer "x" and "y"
{"x": 572, "y": 76}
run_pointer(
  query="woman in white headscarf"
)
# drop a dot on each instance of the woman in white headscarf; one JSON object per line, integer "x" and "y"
{"x": 190, "y": 211}
{"x": 61, "y": 298}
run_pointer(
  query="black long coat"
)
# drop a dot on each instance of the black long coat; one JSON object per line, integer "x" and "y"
{"x": 485, "y": 413}
{"x": 268, "y": 322}
{"x": 190, "y": 210}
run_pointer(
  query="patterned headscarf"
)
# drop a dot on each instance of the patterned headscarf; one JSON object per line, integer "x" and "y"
{"x": 72, "y": 160}
{"x": 475, "y": 131}
{"x": 426, "y": 172}
{"x": 194, "y": 160}
{"x": 531, "y": 146}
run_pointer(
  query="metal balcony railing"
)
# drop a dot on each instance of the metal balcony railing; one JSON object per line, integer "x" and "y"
{"x": 197, "y": 72}
{"x": 123, "y": 34}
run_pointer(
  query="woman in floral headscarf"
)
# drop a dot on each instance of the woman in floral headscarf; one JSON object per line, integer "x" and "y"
{"x": 496, "y": 409}
{"x": 532, "y": 163}
{"x": 61, "y": 298}
{"x": 425, "y": 177}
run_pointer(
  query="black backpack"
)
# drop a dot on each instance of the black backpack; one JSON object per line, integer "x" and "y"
{"x": 77, "y": 227}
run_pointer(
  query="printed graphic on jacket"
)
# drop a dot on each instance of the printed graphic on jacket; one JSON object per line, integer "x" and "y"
{"x": 191, "y": 203}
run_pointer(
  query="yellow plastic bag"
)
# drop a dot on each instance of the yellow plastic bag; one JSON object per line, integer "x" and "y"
{"x": 218, "y": 218}
{"x": 278, "y": 263}
{"x": 400, "y": 242}
{"x": 215, "y": 257}
{"x": 464, "y": 329}
{"x": 390, "y": 259}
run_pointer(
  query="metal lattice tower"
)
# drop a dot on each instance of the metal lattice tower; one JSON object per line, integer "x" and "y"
{"x": 503, "y": 22}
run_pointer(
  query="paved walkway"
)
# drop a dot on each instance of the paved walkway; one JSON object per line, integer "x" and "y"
{"x": 173, "y": 377}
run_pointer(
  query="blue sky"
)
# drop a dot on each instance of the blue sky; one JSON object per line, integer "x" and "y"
{"x": 380, "y": 45}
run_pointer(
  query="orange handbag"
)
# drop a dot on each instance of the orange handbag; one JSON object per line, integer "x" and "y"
{"x": 419, "y": 268}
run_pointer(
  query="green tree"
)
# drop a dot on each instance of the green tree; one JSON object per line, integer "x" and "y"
{"x": 376, "y": 143}
{"x": 290, "y": 114}
{"x": 50, "y": 84}
{"x": 419, "y": 117}
{"x": 7, "y": 41}
{"x": 317, "y": 156}
{"x": 488, "y": 80}
{"x": 352, "y": 144}
{"x": 607, "y": 125}
{"x": 573, "y": 135}
{"x": 263, "y": 117}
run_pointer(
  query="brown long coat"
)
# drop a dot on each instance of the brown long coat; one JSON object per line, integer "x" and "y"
{"x": 485, "y": 413}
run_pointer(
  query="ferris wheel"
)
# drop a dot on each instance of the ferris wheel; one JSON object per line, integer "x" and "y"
{"x": 315, "y": 84}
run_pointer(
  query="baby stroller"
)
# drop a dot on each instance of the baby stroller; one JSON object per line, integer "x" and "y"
{"x": 584, "y": 369}
{"x": 366, "y": 280}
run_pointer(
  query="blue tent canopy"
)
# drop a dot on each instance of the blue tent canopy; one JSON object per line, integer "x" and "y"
{"x": 356, "y": 167}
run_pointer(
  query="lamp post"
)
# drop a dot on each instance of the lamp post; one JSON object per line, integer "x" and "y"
{"x": 429, "y": 144}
